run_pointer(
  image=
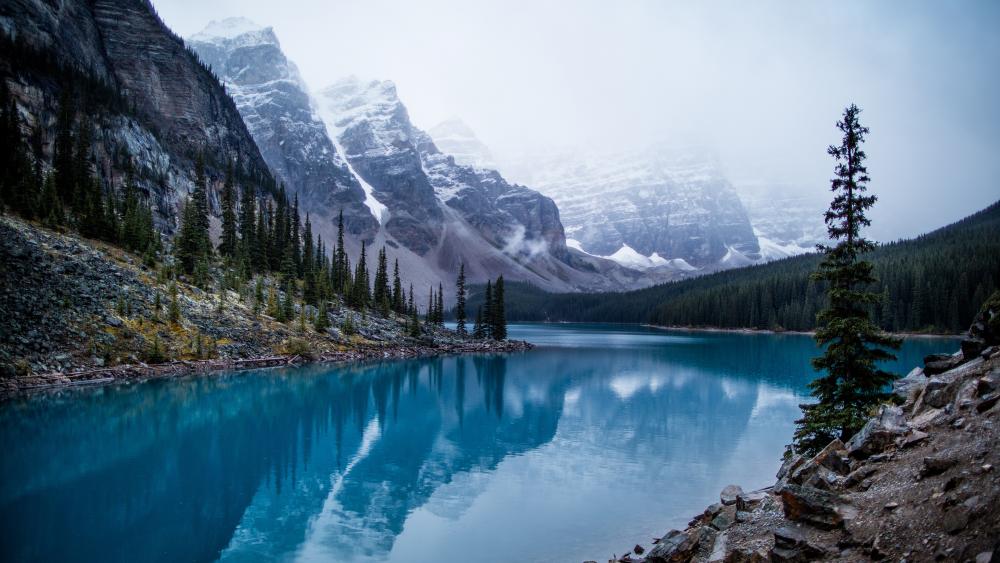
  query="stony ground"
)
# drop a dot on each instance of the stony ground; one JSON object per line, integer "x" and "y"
{"x": 70, "y": 305}
{"x": 918, "y": 483}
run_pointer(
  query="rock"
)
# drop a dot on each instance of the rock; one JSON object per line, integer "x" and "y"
{"x": 638, "y": 549}
{"x": 859, "y": 475}
{"x": 747, "y": 555}
{"x": 789, "y": 465}
{"x": 879, "y": 433}
{"x": 749, "y": 501}
{"x": 676, "y": 546}
{"x": 972, "y": 346}
{"x": 940, "y": 363}
{"x": 937, "y": 464}
{"x": 729, "y": 494}
{"x": 790, "y": 545}
{"x": 718, "y": 554}
{"x": 927, "y": 418}
{"x": 913, "y": 438}
{"x": 891, "y": 506}
{"x": 814, "y": 506}
{"x": 956, "y": 519}
{"x": 987, "y": 384}
{"x": 984, "y": 557}
{"x": 723, "y": 521}
{"x": 988, "y": 402}
{"x": 912, "y": 383}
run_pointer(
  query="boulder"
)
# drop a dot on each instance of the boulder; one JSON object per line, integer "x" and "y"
{"x": 676, "y": 546}
{"x": 811, "y": 505}
{"x": 988, "y": 402}
{"x": 972, "y": 346}
{"x": 789, "y": 465}
{"x": 747, "y": 502}
{"x": 790, "y": 545}
{"x": 940, "y": 363}
{"x": 912, "y": 383}
{"x": 879, "y": 433}
{"x": 729, "y": 494}
{"x": 937, "y": 464}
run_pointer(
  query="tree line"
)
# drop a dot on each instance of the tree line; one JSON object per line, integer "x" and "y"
{"x": 932, "y": 283}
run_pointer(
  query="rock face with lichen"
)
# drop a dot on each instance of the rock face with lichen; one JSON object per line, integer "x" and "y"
{"x": 918, "y": 483}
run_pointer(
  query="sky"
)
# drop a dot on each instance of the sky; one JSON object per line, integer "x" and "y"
{"x": 761, "y": 83}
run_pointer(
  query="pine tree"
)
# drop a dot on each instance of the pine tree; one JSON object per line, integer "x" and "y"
{"x": 294, "y": 228}
{"x": 361, "y": 286}
{"x": 261, "y": 240}
{"x": 322, "y": 321}
{"x": 460, "y": 301}
{"x": 398, "y": 299}
{"x": 228, "y": 244}
{"x": 430, "y": 318}
{"x": 488, "y": 310}
{"x": 439, "y": 306}
{"x": 478, "y": 331}
{"x": 200, "y": 199}
{"x": 853, "y": 344}
{"x": 341, "y": 268}
{"x": 382, "y": 293}
{"x": 310, "y": 291}
{"x": 288, "y": 305}
{"x": 498, "y": 312}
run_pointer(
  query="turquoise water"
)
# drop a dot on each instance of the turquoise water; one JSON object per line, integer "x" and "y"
{"x": 601, "y": 437}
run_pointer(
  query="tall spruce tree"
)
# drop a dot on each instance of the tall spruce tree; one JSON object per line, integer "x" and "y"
{"x": 478, "y": 331}
{"x": 498, "y": 312}
{"x": 248, "y": 219}
{"x": 853, "y": 344}
{"x": 362, "y": 297}
{"x": 398, "y": 298}
{"x": 460, "y": 301}
{"x": 488, "y": 310}
{"x": 439, "y": 306}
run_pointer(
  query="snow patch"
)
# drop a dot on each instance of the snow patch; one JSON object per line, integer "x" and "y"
{"x": 228, "y": 28}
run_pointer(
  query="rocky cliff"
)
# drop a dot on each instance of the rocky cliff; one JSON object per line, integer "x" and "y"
{"x": 917, "y": 483}
{"x": 275, "y": 104}
{"x": 167, "y": 107}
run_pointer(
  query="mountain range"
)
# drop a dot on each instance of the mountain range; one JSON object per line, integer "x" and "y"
{"x": 435, "y": 200}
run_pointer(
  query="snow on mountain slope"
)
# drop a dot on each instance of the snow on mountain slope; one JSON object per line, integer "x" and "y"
{"x": 673, "y": 202}
{"x": 273, "y": 100}
{"x": 449, "y": 213}
{"x": 788, "y": 220}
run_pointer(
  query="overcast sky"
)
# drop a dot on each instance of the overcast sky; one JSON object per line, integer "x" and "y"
{"x": 762, "y": 82}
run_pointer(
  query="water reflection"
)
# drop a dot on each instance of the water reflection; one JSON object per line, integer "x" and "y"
{"x": 556, "y": 453}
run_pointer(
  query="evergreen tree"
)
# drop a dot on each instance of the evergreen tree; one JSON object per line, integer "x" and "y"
{"x": 487, "y": 320}
{"x": 498, "y": 313}
{"x": 398, "y": 299}
{"x": 294, "y": 237}
{"x": 430, "y": 318}
{"x": 228, "y": 244}
{"x": 322, "y": 321}
{"x": 478, "y": 330}
{"x": 200, "y": 199}
{"x": 853, "y": 344}
{"x": 460, "y": 301}
{"x": 439, "y": 306}
{"x": 310, "y": 290}
{"x": 261, "y": 239}
{"x": 414, "y": 318}
{"x": 382, "y": 293}
{"x": 362, "y": 297}
{"x": 341, "y": 267}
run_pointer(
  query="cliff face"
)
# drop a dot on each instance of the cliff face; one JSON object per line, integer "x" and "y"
{"x": 174, "y": 107}
{"x": 275, "y": 104}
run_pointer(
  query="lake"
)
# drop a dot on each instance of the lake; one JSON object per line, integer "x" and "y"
{"x": 601, "y": 437}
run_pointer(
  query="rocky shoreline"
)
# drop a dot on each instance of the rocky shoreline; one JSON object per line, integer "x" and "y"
{"x": 20, "y": 386}
{"x": 917, "y": 483}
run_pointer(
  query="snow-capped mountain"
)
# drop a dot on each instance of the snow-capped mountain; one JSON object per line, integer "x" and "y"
{"x": 449, "y": 213}
{"x": 660, "y": 207}
{"x": 354, "y": 149}
{"x": 275, "y": 104}
{"x": 457, "y": 139}
{"x": 787, "y": 221}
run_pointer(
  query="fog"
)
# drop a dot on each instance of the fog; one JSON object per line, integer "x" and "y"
{"x": 763, "y": 82}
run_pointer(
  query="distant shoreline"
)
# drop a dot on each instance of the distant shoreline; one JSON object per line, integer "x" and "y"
{"x": 735, "y": 330}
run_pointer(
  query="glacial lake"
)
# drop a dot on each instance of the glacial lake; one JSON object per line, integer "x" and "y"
{"x": 601, "y": 437}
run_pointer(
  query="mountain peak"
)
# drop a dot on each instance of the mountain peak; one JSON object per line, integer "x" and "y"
{"x": 231, "y": 28}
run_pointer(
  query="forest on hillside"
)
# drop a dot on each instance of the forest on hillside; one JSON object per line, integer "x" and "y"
{"x": 932, "y": 283}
